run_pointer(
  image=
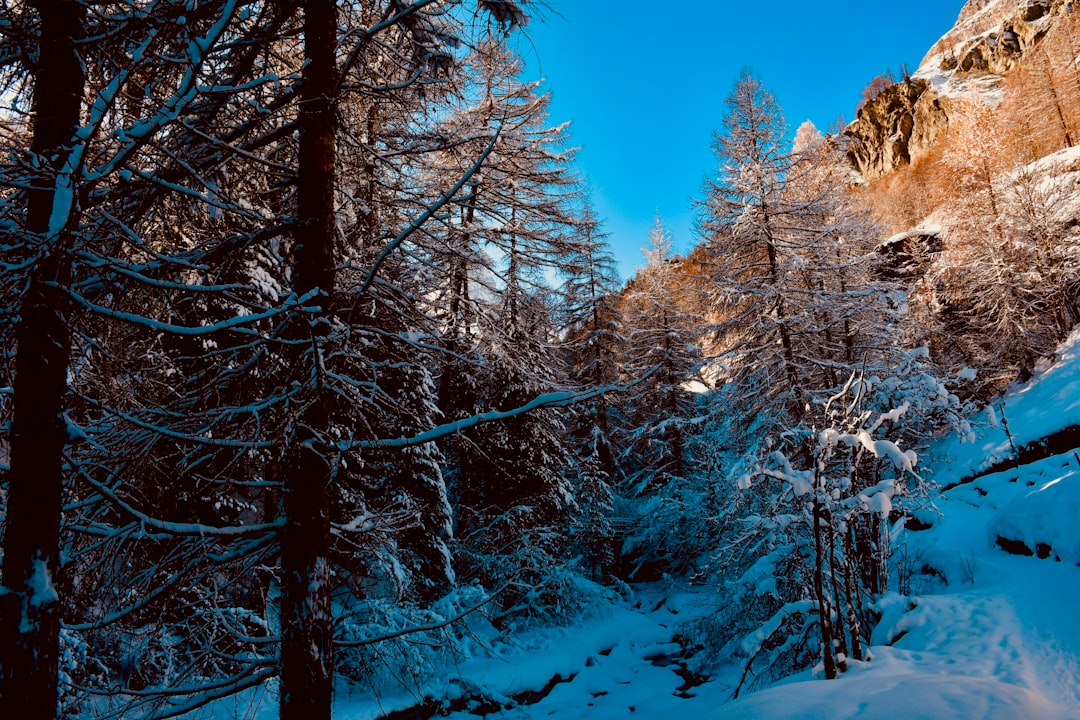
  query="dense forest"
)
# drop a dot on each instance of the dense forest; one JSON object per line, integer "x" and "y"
{"x": 313, "y": 348}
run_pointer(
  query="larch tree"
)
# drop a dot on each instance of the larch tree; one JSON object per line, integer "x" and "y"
{"x": 514, "y": 223}
{"x": 655, "y": 420}
{"x": 29, "y": 603}
{"x": 662, "y": 336}
{"x": 742, "y": 222}
{"x": 796, "y": 307}
{"x": 592, "y": 341}
{"x": 187, "y": 378}
{"x": 811, "y": 359}
{"x": 997, "y": 282}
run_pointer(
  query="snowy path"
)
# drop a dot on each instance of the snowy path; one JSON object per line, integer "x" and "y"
{"x": 632, "y": 672}
{"x": 984, "y": 635}
{"x": 999, "y": 639}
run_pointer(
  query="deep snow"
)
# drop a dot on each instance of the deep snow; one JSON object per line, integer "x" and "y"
{"x": 979, "y": 634}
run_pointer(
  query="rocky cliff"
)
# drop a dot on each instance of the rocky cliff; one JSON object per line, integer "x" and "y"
{"x": 967, "y": 66}
{"x": 896, "y": 127}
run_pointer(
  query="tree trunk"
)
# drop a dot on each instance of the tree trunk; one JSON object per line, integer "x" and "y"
{"x": 1056, "y": 99}
{"x": 307, "y": 658}
{"x": 30, "y": 608}
{"x": 460, "y": 303}
{"x": 839, "y": 632}
{"x": 853, "y": 598}
{"x": 824, "y": 606}
{"x": 781, "y": 319}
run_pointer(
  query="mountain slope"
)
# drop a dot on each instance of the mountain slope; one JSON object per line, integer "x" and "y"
{"x": 983, "y": 633}
{"x": 973, "y": 631}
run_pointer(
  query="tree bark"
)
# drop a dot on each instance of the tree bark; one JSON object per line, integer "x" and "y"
{"x": 824, "y": 606}
{"x": 29, "y": 612}
{"x": 307, "y": 658}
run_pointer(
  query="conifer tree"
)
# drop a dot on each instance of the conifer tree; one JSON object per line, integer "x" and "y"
{"x": 589, "y": 314}
{"x": 661, "y": 340}
{"x": 29, "y": 602}
{"x": 810, "y": 352}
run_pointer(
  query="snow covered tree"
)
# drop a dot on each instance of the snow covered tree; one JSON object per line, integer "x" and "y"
{"x": 796, "y": 306}
{"x": 655, "y": 419}
{"x": 999, "y": 290}
{"x": 193, "y": 364}
{"x": 515, "y": 217}
{"x": 743, "y": 222}
{"x": 661, "y": 338}
{"x": 805, "y": 331}
{"x": 589, "y": 314}
{"x": 513, "y": 223}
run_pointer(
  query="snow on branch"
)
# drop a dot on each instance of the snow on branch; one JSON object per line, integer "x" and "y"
{"x": 134, "y": 137}
{"x": 174, "y": 702}
{"x": 176, "y": 528}
{"x": 428, "y": 213}
{"x": 236, "y": 323}
{"x": 424, "y": 628}
{"x": 540, "y": 402}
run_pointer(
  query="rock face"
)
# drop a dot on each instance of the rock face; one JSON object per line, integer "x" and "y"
{"x": 990, "y": 38}
{"x": 896, "y": 128}
{"x": 998, "y": 18}
{"x": 907, "y": 256}
{"x": 999, "y": 50}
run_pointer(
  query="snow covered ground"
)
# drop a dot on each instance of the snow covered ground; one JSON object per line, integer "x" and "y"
{"x": 979, "y": 634}
{"x": 982, "y": 633}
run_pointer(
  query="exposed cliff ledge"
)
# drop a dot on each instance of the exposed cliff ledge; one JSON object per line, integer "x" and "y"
{"x": 968, "y": 64}
{"x": 896, "y": 127}
{"x": 999, "y": 50}
{"x": 991, "y": 35}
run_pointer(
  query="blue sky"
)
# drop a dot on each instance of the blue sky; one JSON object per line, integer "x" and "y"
{"x": 643, "y": 82}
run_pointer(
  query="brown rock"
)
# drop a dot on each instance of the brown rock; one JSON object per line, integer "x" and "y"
{"x": 895, "y": 128}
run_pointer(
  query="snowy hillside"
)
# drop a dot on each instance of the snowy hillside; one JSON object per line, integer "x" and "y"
{"x": 971, "y": 631}
{"x": 979, "y": 633}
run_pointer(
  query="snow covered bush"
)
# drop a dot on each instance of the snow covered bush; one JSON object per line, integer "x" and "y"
{"x": 804, "y": 535}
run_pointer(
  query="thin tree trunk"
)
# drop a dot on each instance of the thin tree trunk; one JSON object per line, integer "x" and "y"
{"x": 460, "y": 303}
{"x": 824, "y": 613}
{"x": 785, "y": 334}
{"x": 1048, "y": 70}
{"x": 852, "y": 597}
{"x": 307, "y": 658}
{"x": 29, "y": 605}
{"x": 840, "y": 632}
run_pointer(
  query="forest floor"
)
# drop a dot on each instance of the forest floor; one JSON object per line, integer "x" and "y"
{"x": 987, "y": 627}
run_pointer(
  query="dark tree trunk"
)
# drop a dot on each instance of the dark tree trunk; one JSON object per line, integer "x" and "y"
{"x": 307, "y": 658}
{"x": 839, "y": 632}
{"x": 29, "y": 613}
{"x": 460, "y": 304}
{"x": 853, "y": 597}
{"x": 781, "y": 316}
{"x": 824, "y": 606}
